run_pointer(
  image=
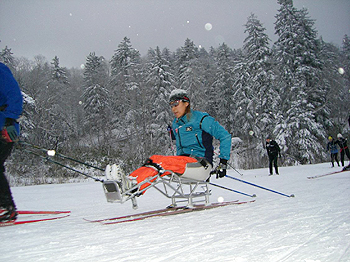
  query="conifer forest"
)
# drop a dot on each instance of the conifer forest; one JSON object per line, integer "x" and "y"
{"x": 115, "y": 109}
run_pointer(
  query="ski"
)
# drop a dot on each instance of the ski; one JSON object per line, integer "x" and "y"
{"x": 152, "y": 212}
{"x": 180, "y": 210}
{"x": 30, "y": 212}
{"x": 165, "y": 212}
{"x": 20, "y": 222}
{"x": 328, "y": 174}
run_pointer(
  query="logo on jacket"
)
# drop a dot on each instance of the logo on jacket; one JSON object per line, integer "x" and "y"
{"x": 189, "y": 128}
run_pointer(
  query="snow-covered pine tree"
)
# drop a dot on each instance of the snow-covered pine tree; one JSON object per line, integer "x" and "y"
{"x": 6, "y": 57}
{"x": 95, "y": 70}
{"x": 59, "y": 74}
{"x": 125, "y": 70}
{"x": 33, "y": 79}
{"x": 220, "y": 92}
{"x": 132, "y": 103}
{"x": 255, "y": 95}
{"x": 189, "y": 70}
{"x": 206, "y": 70}
{"x": 53, "y": 116}
{"x": 96, "y": 102}
{"x": 159, "y": 82}
{"x": 240, "y": 84}
{"x": 345, "y": 74}
{"x": 331, "y": 82}
{"x": 346, "y": 56}
{"x": 37, "y": 79}
{"x": 263, "y": 97}
{"x": 211, "y": 106}
{"x": 297, "y": 54}
{"x": 337, "y": 77}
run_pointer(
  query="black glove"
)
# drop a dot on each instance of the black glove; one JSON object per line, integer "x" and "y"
{"x": 9, "y": 131}
{"x": 221, "y": 168}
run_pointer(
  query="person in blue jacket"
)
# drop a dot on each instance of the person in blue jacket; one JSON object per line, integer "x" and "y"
{"x": 194, "y": 132}
{"x": 11, "y": 102}
{"x": 332, "y": 146}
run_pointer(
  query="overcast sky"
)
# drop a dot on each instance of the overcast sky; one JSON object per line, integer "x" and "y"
{"x": 71, "y": 29}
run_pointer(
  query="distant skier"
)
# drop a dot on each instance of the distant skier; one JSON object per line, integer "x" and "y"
{"x": 343, "y": 144}
{"x": 10, "y": 109}
{"x": 273, "y": 151}
{"x": 332, "y": 147}
{"x": 194, "y": 132}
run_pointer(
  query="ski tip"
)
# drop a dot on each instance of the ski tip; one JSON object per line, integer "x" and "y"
{"x": 8, "y": 223}
{"x": 41, "y": 212}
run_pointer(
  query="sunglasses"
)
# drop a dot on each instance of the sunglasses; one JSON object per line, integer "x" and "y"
{"x": 174, "y": 103}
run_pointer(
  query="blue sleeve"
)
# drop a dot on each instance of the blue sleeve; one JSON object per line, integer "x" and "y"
{"x": 211, "y": 126}
{"x": 10, "y": 95}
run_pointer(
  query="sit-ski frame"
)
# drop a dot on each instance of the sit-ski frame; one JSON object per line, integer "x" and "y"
{"x": 171, "y": 186}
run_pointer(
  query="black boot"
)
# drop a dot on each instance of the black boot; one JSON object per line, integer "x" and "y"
{"x": 8, "y": 214}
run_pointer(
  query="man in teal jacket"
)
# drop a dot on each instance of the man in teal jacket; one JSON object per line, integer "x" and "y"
{"x": 194, "y": 132}
{"x": 11, "y": 102}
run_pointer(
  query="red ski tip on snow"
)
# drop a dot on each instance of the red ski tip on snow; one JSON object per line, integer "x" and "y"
{"x": 23, "y": 217}
{"x": 31, "y": 212}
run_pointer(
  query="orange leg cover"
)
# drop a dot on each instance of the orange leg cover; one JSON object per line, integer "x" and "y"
{"x": 176, "y": 164}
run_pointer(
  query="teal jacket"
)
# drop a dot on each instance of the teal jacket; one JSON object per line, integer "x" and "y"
{"x": 194, "y": 134}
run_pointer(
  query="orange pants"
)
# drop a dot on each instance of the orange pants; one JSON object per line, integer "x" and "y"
{"x": 177, "y": 164}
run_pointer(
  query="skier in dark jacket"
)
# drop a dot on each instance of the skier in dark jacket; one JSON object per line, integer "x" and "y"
{"x": 343, "y": 144}
{"x": 331, "y": 146}
{"x": 10, "y": 109}
{"x": 273, "y": 151}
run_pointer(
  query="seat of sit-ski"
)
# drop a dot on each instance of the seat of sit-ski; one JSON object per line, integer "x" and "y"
{"x": 196, "y": 171}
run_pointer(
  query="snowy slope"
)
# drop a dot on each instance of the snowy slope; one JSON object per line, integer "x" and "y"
{"x": 313, "y": 226}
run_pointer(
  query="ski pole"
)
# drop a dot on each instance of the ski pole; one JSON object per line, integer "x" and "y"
{"x": 234, "y": 169}
{"x": 273, "y": 191}
{"x": 231, "y": 190}
{"x": 59, "y": 155}
{"x": 231, "y": 166}
{"x": 60, "y": 164}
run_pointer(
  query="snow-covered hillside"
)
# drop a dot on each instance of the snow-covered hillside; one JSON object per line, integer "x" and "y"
{"x": 313, "y": 226}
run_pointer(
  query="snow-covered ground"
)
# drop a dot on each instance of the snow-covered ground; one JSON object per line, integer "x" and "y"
{"x": 313, "y": 226}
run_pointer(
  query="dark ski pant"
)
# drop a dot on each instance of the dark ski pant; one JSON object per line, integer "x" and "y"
{"x": 273, "y": 161}
{"x": 334, "y": 156}
{"x": 344, "y": 151}
{"x": 5, "y": 192}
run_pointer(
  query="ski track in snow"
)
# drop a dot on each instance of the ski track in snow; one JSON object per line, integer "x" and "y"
{"x": 312, "y": 227}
